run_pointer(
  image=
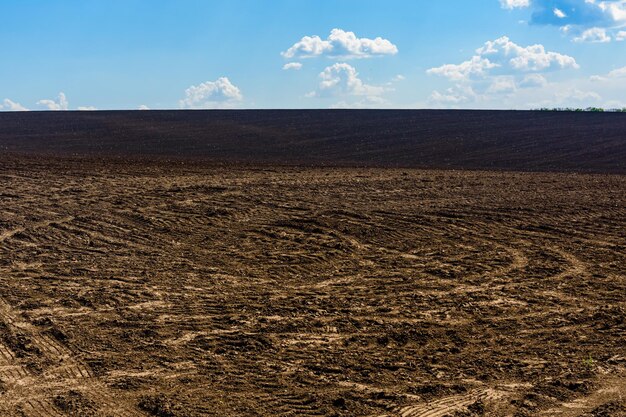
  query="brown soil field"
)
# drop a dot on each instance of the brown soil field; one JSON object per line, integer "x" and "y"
{"x": 139, "y": 288}
{"x": 492, "y": 140}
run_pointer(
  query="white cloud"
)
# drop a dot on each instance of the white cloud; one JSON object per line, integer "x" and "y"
{"x": 621, "y": 36}
{"x": 514, "y": 4}
{"x": 614, "y": 104}
{"x": 577, "y": 95}
{"x": 618, "y": 73}
{"x": 577, "y": 17}
{"x": 143, "y": 107}
{"x": 611, "y": 87}
{"x": 533, "y": 80}
{"x": 9, "y": 105}
{"x": 574, "y": 92}
{"x": 508, "y": 58}
{"x": 394, "y": 80}
{"x": 212, "y": 94}
{"x": 529, "y": 58}
{"x": 373, "y": 102}
{"x": 87, "y": 108}
{"x": 503, "y": 74}
{"x": 502, "y": 84}
{"x": 292, "y": 66}
{"x": 454, "y": 96}
{"x": 594, "y": 35}
{"x": 60, "y": 104}
{"x": 614, "y": 9}
{"x": 475, "y": 67}
{"x": 340, "y": 44}
{"x": 343, "y": 79}
{"x": 449, "y": 97}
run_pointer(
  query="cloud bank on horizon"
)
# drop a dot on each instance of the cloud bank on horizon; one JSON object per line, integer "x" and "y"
{"x": 553, "y": 53}
{"x": 60, "y": 104}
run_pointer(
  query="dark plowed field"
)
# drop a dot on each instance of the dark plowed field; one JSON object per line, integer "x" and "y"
{"x": 503, "y": 140}
{"x": 170, "y": 289}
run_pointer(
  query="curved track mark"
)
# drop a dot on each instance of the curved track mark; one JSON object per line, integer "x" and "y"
{"x": 448, "y": 405}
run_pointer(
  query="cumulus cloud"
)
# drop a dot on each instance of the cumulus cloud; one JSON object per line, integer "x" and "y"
{"x": 454, "y": 96}
{"x": 514, "y": 4}
{"x": 212, "y": 94}
{"x": 507, "y": 57}
{"x": 476, "y": 66}
{"x": 611, "y": 86}
{"x": 499, "y": 72}
{"x": 618, "y": 73}
{"x": 60, "y": 103}
{"x": 86, "y": 108}
{"x": 343, "y": 79}
{"x": 9, "y": 105}
{"x": 502, "y": 84}
{"x": 449, "y": 97}
{"x": 594, "y": 35}
{"x": 533, "y": 80}
{"x": 340, "y": 44}
{"x": 292, "y": 66}
{"x": 621, "y": 36}
{"x": 143, "y": 107}
{"x": 529, "y": 58}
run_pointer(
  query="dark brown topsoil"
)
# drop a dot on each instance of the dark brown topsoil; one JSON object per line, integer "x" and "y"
{"x": 502, "y": 140}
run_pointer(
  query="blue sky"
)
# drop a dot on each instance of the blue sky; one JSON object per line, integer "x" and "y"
{"x": 160, "y": 54}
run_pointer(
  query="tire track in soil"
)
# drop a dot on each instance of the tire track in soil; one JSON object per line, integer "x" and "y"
{"x": 66, "y": 371}
{"x": 613, "y": 389}
{"x": 518, "y": 259}
{"x": 40, "y": 408}
{"x": 10, "y": 369}
{"x": 448, "y": 405}
{"x": 8, "y": 234}
{"x": 213, "y": 319}
{"x": 573, "y": 266}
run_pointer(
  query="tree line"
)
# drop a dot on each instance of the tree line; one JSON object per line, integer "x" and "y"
{"x": 586, "y": 109}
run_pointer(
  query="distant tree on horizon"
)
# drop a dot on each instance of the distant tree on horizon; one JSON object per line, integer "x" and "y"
{"x": 587, "y": 109}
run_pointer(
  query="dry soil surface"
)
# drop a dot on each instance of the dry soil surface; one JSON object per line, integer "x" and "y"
{"x": 138, "y": 289}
